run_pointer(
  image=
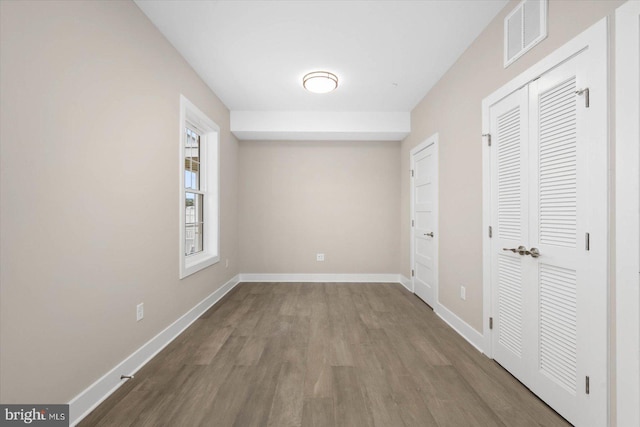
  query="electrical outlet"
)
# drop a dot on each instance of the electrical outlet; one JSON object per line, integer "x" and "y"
{"x": 139, "y": 312}
{"x": 319, "y": 257}
{"x": 463, "y": 293}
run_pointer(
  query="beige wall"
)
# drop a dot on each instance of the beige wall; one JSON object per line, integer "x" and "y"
{"x": 301, "y": 198}
{"x": 89, "y": 192}
{"x": 453, "y": 109}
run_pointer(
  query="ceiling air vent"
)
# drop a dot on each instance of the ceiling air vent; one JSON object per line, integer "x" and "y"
{"x": 524, "y": 27}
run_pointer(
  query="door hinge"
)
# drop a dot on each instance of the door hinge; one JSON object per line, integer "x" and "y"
{"x": 586, "y": 384}
{"x": 490, "y": 322}
{"x": 413, "y": 273}
{"x": 413, "y": 223}
{"x": 587, "y": 242}
{"x": 490, "y": 232}
{"x": 488, "y": 135}
{"x": 411, "y": 173}
{"x": 584, "y": 92}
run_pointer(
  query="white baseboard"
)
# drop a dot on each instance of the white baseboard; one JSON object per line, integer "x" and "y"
{"x": 406, "y": 282}
{"x": 474, "y": 337}
{"x": 353, "y": 278}
{"x": 81, "y": 405}
{"x": 85, "y": 402}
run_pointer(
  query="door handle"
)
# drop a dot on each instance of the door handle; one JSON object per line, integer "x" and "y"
{"x": 534, "y": 252}
{"x": 522, "y": 250}
{"x": 429, "y": 234}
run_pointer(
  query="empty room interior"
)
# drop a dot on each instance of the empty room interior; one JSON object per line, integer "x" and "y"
{"x": 320, "y": 213}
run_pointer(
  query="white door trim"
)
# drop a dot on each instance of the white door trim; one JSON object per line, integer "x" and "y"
{"x": 594, "y": 38}
{"x": 627, "y": 214}
{"x": 432, "y": 140}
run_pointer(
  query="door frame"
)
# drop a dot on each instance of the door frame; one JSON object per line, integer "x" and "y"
{"x": 627, "y": 242}
{"x": 432, "y": 140}
{"x": 595, "y": 40}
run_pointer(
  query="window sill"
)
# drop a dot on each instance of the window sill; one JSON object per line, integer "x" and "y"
{"x": 195, "y": 263}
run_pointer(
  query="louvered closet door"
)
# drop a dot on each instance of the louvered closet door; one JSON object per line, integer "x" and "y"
{"x": 550, "y": 311}
{"x": 568, "y": 286}
{"x": 510, "y": 206}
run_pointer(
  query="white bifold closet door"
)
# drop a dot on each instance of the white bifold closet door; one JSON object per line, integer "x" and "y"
{"x": 541, "y": 201}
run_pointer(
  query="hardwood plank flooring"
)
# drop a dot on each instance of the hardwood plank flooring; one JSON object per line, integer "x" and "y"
{"x": 321, "y": 355}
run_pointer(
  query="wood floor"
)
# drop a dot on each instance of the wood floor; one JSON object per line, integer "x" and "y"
{"x": 292, "y": 354}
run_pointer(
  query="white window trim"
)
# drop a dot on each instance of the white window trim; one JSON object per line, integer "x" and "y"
{"x": 209, "y": 132}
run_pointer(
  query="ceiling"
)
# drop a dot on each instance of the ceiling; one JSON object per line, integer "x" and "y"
{"x": 387, "y": 54}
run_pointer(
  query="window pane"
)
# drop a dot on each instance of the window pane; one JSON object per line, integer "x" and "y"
{"x": 191, "y": 180}
{"x": 193, "y": 238}
{"x": 192, "y": 159}
{"x": 199, "y": 208}
{"x": 195, "y": 174}
{"x": 190, "y": 212}
{"x": 193, "y": 223}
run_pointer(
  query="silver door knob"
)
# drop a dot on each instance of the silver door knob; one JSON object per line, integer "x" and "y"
{"x": 534, "y": 252}
{"x": 429, "y": 234}
{"x": 522, "y": 250}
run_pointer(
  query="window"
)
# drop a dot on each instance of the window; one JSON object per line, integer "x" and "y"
{"x": 199, "y": 190}
{"x": 524, "y": 27}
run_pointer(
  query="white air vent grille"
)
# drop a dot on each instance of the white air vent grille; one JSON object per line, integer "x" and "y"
{"x": 524, "y": 27}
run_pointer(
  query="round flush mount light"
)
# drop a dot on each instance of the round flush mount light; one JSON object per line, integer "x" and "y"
{"x": 320, "y": 82}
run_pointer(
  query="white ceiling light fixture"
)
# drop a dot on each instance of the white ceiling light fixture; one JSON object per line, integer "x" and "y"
{"x": 320, "y": 82}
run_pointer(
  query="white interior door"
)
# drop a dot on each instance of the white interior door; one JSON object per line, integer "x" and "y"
{"x": 425, "y": 196}
{"x": 549, "y": 286}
